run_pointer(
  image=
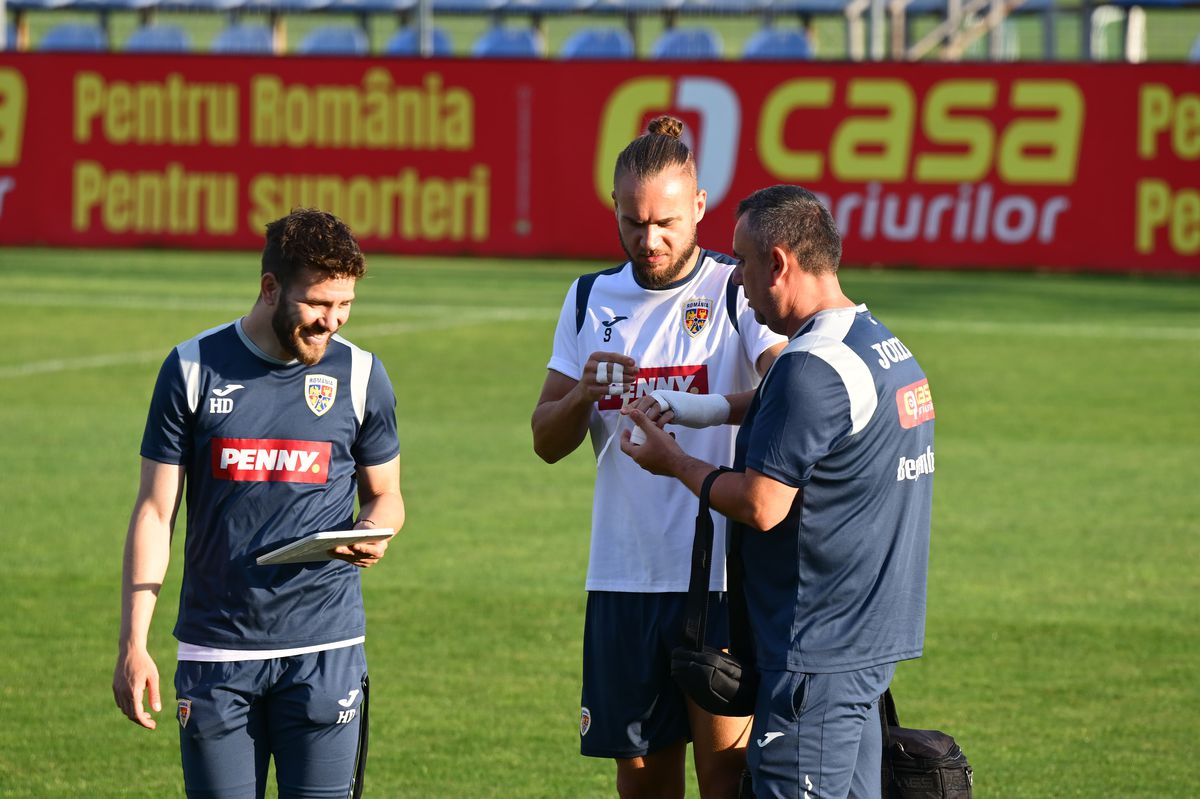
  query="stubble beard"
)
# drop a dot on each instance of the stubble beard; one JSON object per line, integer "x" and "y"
{"x": 290, "y": 336}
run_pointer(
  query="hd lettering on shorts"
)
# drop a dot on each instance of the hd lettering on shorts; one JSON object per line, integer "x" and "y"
{"x": 270, "y": 460}
{"x": 692, "y": 379}
{"x": 914, "y": 404}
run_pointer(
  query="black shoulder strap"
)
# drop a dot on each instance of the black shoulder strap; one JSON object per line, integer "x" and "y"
{"x": 696, "y": 618}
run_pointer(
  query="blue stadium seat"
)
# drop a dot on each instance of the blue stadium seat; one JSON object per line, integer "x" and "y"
{"x": 112, "y": 5}
{"x": 10, "y": 38}
{"x": 726, "y": 6}
{"x": 37, "y": 5}
{"x": 598, "y": 43}
{"x": 74, "y": 37}
{"x": 209, "y": 6}
{"x": 284, "y": 6}
{"x": 406, "y": 41}
{"x": 240, "y": 38}
{"x": 334, "y": 40}
{"x": 501, "y": 42}
{"x": 372, "y": 6}
{"x": 1194, "y": 53}
{"x": 778, "y": 44}
{"x": 687, "y": 44}
{"x": 158, "y": 39}
{"x": 836, "y": 7}
{"x": 635, "y": 6}
{"x": 468, "y": 6}
{"x": 544, "y": 7}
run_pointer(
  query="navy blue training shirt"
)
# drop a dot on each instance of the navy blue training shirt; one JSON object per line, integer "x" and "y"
{"x": 846, "y": 416}
{"x": 270, "y": 451}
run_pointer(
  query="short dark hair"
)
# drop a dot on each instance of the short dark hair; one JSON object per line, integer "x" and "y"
{"x": 314, "y": 240}
{"x": 655, "y": 151}
{"x": 793, "y": 218}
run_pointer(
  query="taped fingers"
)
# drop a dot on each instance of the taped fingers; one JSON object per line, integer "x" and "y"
{"x": 611, "y": 374}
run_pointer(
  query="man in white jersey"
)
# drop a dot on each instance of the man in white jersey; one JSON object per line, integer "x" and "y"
{"x": 668, "y": 319}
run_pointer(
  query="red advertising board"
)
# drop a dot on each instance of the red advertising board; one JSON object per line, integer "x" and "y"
{"x": 995, "y": 165}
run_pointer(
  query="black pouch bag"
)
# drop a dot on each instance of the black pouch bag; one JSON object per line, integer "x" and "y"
{"x": 722, "y": 683}
{"x": 920, "y": 764}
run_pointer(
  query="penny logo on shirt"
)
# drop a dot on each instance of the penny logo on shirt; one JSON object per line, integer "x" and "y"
{"x": 270, "y": 460}
{"x": 696, "y": 313}
{"x": 693, "y": 379}
{"x": 319, "y": 392}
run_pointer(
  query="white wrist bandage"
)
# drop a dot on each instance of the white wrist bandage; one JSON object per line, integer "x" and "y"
{"x": 693, "y": 410}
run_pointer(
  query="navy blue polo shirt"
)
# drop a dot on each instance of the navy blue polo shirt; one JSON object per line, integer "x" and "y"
{"x": 846, "y": 416}
{"x": 270, "y": 451}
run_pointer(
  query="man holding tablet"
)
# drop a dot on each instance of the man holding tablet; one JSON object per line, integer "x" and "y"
{"x": 274, "y": 426}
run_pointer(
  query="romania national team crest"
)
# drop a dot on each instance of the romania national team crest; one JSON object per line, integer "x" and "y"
{"x": 585, "y": 721}
{"x": 696, "y": 312}
{"x": 319, "y": 392}
{"x": 185, "y": 712}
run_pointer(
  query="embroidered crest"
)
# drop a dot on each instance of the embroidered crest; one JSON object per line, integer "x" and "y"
{"x": 696, "y": 312}
{"x": 319, "y": 392}
{"x": 585, "y": 721}
{"x": 184, "y": 712}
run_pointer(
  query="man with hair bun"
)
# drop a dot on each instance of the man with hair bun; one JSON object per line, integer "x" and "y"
{"x": 668, "y": 321}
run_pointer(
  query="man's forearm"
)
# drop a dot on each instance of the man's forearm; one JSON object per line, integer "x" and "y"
{"x": 560, "y": 426}
{"x": 383, "y": 510}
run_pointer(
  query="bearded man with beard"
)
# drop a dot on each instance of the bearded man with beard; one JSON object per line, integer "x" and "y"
{"x": 671, "y": 321}
{"x": 276, "y": 427}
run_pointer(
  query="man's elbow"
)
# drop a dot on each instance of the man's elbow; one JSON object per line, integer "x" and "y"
{"x": 544, "y": 451}
{"x": 763, "y": 517}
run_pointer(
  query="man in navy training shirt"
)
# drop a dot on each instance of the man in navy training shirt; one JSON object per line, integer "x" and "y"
{"x": 274, "y": 426}
{"x": 830, "y": 497}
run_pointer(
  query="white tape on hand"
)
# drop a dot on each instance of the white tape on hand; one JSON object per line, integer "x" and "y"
{"x": 602, "y": 372}
{"x": 615, "y": 388}
{"x": 637, "y": 436}
{"x": 618, "y": 373}
{"x": 693, "y": 410}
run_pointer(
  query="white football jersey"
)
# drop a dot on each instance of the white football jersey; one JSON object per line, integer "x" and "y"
{"x": 697, "y": 335}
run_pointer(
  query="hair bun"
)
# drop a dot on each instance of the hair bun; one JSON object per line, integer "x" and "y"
{"x": 666, "y": 126}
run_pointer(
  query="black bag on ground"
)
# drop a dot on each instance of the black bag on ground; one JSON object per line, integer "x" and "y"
{"x": 720, "y": 682}
{"x": 920, "y": 764}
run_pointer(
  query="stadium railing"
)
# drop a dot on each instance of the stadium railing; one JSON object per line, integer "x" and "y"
{"x": 959, "y": 27}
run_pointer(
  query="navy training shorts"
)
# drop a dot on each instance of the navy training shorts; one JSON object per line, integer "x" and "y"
{"x": 306, "y": 711}
{"x": 818, "y": 735}
{"x": 630, "y": 705}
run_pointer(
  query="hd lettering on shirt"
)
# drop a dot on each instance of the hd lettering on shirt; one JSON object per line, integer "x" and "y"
{"x": 692, "y": 379}
{"x": 915, "y": 404}
{"x": 270, "y": 460}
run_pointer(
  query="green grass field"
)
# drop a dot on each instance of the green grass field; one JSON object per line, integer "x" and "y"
{"x": 1064, "y": 607}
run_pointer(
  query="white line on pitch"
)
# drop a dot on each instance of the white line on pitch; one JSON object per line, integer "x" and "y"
{"x": 462, "y": 317}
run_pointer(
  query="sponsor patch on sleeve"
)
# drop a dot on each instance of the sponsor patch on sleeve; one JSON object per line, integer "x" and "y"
{"x": 270, "y": 460}
{"x": 914, "y": 404}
